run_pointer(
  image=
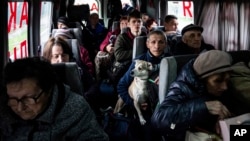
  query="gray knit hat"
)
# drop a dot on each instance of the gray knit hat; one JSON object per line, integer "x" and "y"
{"x": 212, "y": 62}
{"x": 64, "y": 32}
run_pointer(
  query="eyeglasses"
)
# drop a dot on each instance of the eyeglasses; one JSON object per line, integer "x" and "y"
{"x": 24, "y": 100}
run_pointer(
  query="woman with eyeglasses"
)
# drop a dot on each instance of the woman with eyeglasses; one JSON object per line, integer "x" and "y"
{"x": 36, "y": 106}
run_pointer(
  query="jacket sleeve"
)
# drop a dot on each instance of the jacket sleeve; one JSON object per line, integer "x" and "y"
{"x": 75, "y": 120}
{"x": 123, "y": 48}
{"x": 91, "y": 130}
{"x": 124, "y": 83}
{"x": 178, "y": 111}
{"x": 105, "y": 42}
{"x": 86, "y": 60}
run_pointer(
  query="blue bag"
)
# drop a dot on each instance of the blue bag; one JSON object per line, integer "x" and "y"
{"x": 116, "y": 126}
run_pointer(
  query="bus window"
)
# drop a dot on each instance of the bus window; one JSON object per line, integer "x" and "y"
{"x": 93, "y": 5}
{"x": 183, "y": 10}
{"x": 17, "y": 29}
{"x": 45, "y": 26}
{"x": 128, "y": 2}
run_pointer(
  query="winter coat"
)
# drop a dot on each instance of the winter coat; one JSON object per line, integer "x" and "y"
{"x": 184, "y": 106}
{"x": 126, "y": 80}
{"x": 86, "y": 62}
{"x": 182, "y": 49}
{"x": 124, "y": 46}
{"x": 109, "y": 39}
{"x": 68, "y": 117}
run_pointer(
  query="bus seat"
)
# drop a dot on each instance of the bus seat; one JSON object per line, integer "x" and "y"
{"x": 110, "y": 23}
{"x": 240, "y": 56}
{"x": 101, "y": 21}
{"x": 169, "y": 68}
{"x": 73, "y": 43}
{"x": 162, "y": 28}
{"x": 69, "y": 74}
{"x": 76, "y": 25}
{"x": 78, "y": 12}
{"x": 143, "y": 29}
{"x": 172, "y": 41}
{"x": 115, "y": 25}
{"x": 75, "y": 31}
{"x": 75, "y": 47}
{"x": 139, "y": 46}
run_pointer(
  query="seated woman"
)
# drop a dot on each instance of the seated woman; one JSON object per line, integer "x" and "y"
{"x": 57, "y": 50}
{"x": 85, "y": 60}
{"x": 150, "y": 24}
{"x": 36, "y": 106}
{"x": 196, "y": 100}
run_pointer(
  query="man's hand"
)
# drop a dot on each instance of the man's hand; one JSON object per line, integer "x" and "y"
{"x": 157, "y": 80}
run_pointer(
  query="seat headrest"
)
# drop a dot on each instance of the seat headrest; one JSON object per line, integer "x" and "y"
{"x": 139, "y": 46}
{"x": 78, "y": 12}
{"x": 69, "y": 74}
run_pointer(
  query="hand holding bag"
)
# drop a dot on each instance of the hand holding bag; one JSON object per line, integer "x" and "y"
{"x": 239, "y": 120}
{"x": 201, "y": 136}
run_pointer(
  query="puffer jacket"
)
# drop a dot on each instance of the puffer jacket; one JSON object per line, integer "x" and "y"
{"x": 184, "y": 106}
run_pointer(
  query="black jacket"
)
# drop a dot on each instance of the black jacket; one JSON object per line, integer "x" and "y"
{"x": 182, "y": 49}
{"x": 184, "y": 106}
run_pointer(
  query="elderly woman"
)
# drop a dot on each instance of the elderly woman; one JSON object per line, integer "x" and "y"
{"x": 57, "y": 50}
{"x": 84, "y": 60}
{"x": 195, "y": 100}
{"x": 39, "y": 107}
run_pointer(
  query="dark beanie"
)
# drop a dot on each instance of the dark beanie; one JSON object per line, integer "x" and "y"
{"x": 63, "y": 20}
{"x": 191, "y": 27}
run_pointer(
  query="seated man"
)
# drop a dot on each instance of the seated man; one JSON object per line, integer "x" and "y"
{"x": 39, "y": 107}
{"x": 156, "y": 43}
{"x": 171, "y": 25}
{"x": 171, "y": 31}
{"x": 192, "y": 42}
{"x": 93, "y": 35}
{"x": 124, "y": 43}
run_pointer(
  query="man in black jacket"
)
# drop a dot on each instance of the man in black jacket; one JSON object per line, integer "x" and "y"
{"x": 192, "y": 42}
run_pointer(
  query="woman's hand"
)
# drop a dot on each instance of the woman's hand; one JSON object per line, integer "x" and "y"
{"x": 110, "y": 48}
{"x": 217, "y": 108}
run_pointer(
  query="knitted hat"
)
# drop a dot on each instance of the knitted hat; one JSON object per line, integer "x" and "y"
{"x": 191, "y": 27}
{"x": 63, "y": 32}
{"x": 212, "y": 62}
{"x": 63, "y": 20}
